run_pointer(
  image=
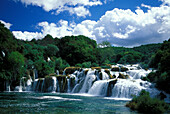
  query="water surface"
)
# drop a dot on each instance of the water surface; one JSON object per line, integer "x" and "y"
{"x": 28, "y": 102}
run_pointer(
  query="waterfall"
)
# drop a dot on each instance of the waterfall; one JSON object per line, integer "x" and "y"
{"x": 90, "y": 78}
{"x": 105, "y": 76}
{"x": 57, "y": 72}
{"x": 68, "y": 85}
{"x": 7, "y": 85}
{"x": 138, "y": 74}
{"x": 58, "y": 86}
{"x": 36, "y": 74}
{"x": 54, "y": 84}
{"x": 94, "y": 82}
{"x": 99, "y": 88}
{"x": 35, "y": 84}
{"x": 125, "y": 88}
{"x": 42, "y": 85}
{"x": 20, "y": 85}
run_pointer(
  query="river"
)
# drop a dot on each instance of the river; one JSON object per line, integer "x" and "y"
{"x": 60, "y": 103}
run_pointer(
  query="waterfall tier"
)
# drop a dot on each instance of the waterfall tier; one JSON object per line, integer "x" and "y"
{"x": 98, "y": 82}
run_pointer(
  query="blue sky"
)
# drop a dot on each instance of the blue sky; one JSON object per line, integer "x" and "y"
{"x": 122, "y": 22}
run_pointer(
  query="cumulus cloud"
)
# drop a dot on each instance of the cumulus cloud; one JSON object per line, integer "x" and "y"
{"x": 118, "y": 26}
{"x": 73, "y": 6}
{"x": 80, "y": 11}
{"x": 27, "y": 35}
{"x": 7, "y": 25}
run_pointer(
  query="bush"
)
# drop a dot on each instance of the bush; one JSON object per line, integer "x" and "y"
{"x": 86, "y": 64}
{"x": 78, "y": 65}
{"x": 145, "y": 104}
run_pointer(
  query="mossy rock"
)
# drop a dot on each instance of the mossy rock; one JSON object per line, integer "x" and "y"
{"x": 40, "y": 78}
{"x": 115, "y": 69}
{"x": 100, "y": 75}
{"x": 122, "y": 76}
{"x": 85, "y": 71}
{"x": 112, "y": 76}
{"x": 97, "y": 68}
{"x": 108, "y": 72}
{"x": 123, "y": 69}
{"x": 110, "y": 87}
{"x": 50, "y": 76}
{"x": 71, "y": 70}
{"x": 109, "y": 65}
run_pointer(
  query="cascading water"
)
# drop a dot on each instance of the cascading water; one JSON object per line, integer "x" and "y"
{"x": 138, "y": 74}
{"x": 54, "y": 84}
{"x": 99, "y": 88}
{"x": 96, "y": 82}
{"x": 7, "y": 85}
{"x": 126, "y": 88}
{"x": 90, "y": 78}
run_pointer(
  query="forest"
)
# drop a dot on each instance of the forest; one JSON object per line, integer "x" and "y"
{"x": 49, "y": 54}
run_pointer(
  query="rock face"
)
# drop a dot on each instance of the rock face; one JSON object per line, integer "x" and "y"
{"x": 118, "y": 82}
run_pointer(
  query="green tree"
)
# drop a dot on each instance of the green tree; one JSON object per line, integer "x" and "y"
{"x": 77, "y": 49}
{"x": 51, "y": 50}
{"x": 104, "y": 44}
{"x": 16, "y": 63}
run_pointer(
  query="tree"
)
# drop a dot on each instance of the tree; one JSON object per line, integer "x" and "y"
{"x": 104, "y": 44}
{"x": 51, "y": 50}
{"x": 77, "y": 49}
{"x": 16, "y": 63}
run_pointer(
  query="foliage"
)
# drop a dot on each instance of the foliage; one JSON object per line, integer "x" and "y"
{"x": 86, "y": 64}
{"x": 145, "y": 104}
{"x": 51, "y": 50}
{"x": 161, "y": 61}
{"x": 80, "y": 48}
{"x": 104, "y": 44}
{"x": 60, "y": 64}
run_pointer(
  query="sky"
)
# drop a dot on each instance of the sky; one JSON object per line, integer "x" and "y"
{"x": 126, "y": 23}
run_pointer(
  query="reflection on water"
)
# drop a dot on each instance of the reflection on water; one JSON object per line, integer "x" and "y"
{"x": 59, "y": 103}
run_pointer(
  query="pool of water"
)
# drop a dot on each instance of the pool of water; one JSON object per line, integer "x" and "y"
{"x": 28, "y": 102}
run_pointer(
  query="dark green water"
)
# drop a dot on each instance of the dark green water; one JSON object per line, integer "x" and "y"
{"x": 59, "y": 103}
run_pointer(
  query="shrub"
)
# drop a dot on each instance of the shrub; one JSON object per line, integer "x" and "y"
{"x": 86, "y": 64}
{"x": 145, "y": 104}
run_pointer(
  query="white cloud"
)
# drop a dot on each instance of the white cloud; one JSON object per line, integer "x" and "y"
{"x": 73, "y": 6}
{"x": 118, "y": 26}
{"x": 80, "y": 11}
{"x": 7, "y": 25}
{"x": 165, "y": 2}
{"x": 27, "y": 35}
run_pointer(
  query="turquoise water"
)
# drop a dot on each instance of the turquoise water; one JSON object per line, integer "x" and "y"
{"x": 15, "y": 102}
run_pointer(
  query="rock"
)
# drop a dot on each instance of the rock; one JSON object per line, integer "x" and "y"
{"x": 122, "y": 76}
{"x": 71, "y": 70}
{"x": 97, "y": 68}
{"x": 110, "y": 87}
{"x": 115, "y": 69}
{"x": 123, "y": 69}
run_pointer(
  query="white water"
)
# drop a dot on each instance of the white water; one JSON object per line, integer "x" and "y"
{"x": 125, "y": 88}
{"x": 54, "y": 84}
{"x": 90, "y": 77}
{"x": 99, "y": 88}
{"x": 91, "y": 84}
{"x": 105, "y": 76}
{"x": 138, "y": 74}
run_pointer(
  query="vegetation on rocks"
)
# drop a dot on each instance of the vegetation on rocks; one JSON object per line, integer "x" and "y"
{"x": 145, "y": 104}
